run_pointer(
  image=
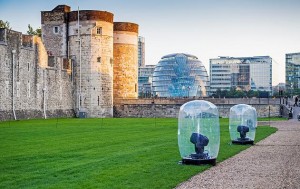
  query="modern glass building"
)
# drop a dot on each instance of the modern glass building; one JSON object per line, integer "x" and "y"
{"x": 141, "y": 51}
{"x": 180, "y": 75}
{"x": 145, "y": 80}
{"x": 241, "y": 73}
{"x": 292, "y": 69}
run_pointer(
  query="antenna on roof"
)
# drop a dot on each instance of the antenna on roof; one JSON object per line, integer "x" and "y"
{"x": 79, "y": 39}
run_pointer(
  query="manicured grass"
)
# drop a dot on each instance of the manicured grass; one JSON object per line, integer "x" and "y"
{"x": 272, "y": 119}
{"x": 99, "y": 153}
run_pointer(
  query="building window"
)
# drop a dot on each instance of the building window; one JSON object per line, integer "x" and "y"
{"x": 60, "y": 93}
{"x": 18, "y": 89}
{"x": 6, "y": 88}
{"x": 28, "y": 66}
{"x": 99, "y": 30}
{"x": 56, "y": 29}
{"x": 28, "y": 89}
{"x": 99, "y": 59}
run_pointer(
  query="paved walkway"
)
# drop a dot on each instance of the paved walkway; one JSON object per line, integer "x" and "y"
{"x": 271, "y": 163}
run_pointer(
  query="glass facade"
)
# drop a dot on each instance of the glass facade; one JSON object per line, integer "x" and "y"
{"x": 145, "y": 81}
{"x": 141, "y": 51}
{"x": 242, "y": 73}
{"x": 180, "y": 75}
{"x": 292, "y": 65}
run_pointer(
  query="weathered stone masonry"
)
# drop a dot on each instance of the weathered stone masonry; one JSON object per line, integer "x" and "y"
{"x": 170, "y": 107}
{"x": 33, "y": 79}
{"x": 90, "y": 49}
{"x": 125, "y": 60}
{"x": 69, "y": 69}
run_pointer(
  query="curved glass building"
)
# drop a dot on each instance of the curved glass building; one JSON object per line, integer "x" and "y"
{"x": 180, "y": 75}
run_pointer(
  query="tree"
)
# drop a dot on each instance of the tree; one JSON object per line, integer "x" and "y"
{"x": 31, "y": 31}
{"x": 4, "y": 24}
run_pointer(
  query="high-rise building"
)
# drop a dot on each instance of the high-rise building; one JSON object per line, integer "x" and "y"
{"x": 241, "y": 73}
{"x": 292, "y": 70}
{"x": 145, "y": 80}
{"x": 141, "y": 51}
{"x": 180, "y": 75}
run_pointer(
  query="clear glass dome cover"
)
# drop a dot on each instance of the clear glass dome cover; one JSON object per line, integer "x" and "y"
{"x": 198, "y": 130}
{"x": 242, "y": 123}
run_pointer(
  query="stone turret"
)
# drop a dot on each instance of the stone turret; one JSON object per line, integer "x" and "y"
{"x": 125, "y": 60}
{"x": 95, "y": 81}
{"x": 55, "y": 30}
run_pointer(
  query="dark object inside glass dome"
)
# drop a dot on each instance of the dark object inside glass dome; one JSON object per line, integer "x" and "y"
{"x": 200, "y": 141}
{"x": 242, "y": 124}
{"x": 198, "y": 133}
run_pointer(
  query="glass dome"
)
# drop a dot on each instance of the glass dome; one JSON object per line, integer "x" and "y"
{"x": 198, "y": 132}
{"x": 242, "y": 124}
{"x": 180, "y": 75}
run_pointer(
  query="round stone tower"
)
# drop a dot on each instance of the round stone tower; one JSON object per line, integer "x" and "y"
{"x": 125, "y": 60}
{"x": 91, "y": 50}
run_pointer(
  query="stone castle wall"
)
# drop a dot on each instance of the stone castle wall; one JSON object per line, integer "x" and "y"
{"x": 90, "y": 47}
{"x": 27, "y": 80}
{"x": 170, "y": 107}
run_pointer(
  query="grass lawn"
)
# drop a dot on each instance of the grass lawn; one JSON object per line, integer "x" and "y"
{"x": 272, "y": 119}
{"x": 99, "y": 153}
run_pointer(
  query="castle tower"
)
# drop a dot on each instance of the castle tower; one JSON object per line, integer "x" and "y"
{"x": 91, "y": 49}
{"x": 55, "y": 30}
{"x": 125, "y": 60}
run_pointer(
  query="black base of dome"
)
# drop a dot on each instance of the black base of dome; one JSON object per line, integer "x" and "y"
{"x": 190, "y": 161}
{"x": 243, "y": 142}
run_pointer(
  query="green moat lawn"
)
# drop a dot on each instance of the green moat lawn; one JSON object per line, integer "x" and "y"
{"x": 99, "y": 153}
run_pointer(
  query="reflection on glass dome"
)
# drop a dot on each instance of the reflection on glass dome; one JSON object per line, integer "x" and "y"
{"x": 180, "y": 75}
{"x": 242, "y": 124}
{"x": 198, "y": 132}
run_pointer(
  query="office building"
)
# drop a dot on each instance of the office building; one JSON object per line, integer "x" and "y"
{"x": 141, "y": 51}
{"x": 292, "y": 69}
{"x": 241, "y": 73}
{"x": 145, "y": 80}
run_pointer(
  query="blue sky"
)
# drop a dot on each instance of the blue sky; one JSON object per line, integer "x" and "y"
{"x": 205, "y": 28}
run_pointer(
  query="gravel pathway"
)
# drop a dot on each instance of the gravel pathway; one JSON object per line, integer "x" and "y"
{"x": 271, "y": 163}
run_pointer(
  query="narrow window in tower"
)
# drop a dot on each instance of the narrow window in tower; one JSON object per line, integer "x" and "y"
{"x": 18, "y": 88}
{"x": 28, "y": 89}
{"x": 99, "y": 59}
{"x": 98, "y": 101}
{"x": 28, "y": 66}
{"x": 99, "y": 30}
{"x": 7, "y": 88}
{"x": 135, "y": 86}
{"x": 56, "y": 29}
